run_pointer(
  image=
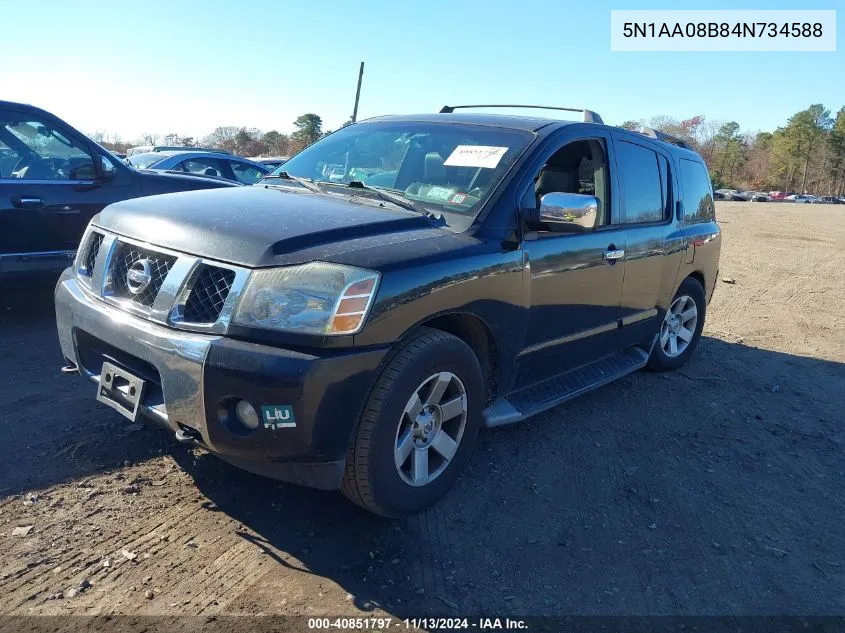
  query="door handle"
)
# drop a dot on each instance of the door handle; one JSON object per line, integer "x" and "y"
{"x": 613, "y": 254}
{"x": 27, "y": 202}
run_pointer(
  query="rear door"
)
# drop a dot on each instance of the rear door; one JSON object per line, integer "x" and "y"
{"x": 48, "y": 190}
{"x": 654, "y": 244}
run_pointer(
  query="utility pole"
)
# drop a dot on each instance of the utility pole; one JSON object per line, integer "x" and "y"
{"x": 358, "y": 93}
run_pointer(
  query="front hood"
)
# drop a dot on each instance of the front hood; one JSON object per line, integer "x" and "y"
{"x": 261, "y": 226}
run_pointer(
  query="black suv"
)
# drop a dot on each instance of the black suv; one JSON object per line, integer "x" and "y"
{"x": 353, "y": 320}
{"x": 53, "y": 180}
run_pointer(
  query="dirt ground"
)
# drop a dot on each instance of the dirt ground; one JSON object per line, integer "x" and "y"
{"x": 713, "y": 490}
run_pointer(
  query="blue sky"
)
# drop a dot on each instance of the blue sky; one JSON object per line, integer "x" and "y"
{"x": 187, "y": 67}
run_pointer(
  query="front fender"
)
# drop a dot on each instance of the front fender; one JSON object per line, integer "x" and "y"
{"x": 489, "y": 286}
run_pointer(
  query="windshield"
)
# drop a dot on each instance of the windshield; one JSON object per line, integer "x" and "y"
{"x": 143, "y": 161}
{"x": 447, "y": 168}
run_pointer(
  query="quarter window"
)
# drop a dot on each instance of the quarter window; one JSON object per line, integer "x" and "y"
{"x": 698, "y": 196}
{"x": 643, "y": 188}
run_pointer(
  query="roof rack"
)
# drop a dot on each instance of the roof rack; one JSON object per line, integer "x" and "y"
{"x": 589, "y": 115}
{"x": 663, "y": 136}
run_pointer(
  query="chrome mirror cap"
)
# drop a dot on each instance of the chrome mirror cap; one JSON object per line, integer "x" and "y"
{"x": 569, "y": 208}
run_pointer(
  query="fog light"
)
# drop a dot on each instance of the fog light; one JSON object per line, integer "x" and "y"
{"x": 247, "y": 414}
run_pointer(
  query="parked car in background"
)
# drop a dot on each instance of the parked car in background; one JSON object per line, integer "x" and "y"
{"x": 216, "y": 165}
{"x": 777, "y": 195}
{"x": 53, "y": 180}
{"x": 828, "y": 200}
{"x": 800, "y": 198}
{"x": 729, "y": 194}
{"x": 336, "y": 334}
{"x": 755, "y": 196}
{"x": 145, "y": 149}
{"x": 271, "y": 162}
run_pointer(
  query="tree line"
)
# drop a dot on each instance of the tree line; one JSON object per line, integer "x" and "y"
{"x": 806, "y": 155}
{"x": 242, "y": 141}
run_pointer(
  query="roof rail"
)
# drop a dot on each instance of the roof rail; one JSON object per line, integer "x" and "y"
{"x": 663, "y": 136}
{"x": 589, "y": 115}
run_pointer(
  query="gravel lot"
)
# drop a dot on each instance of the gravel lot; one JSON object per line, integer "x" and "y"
{"x": 713, "y": 490}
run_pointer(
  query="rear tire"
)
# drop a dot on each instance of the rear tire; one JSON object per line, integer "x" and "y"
{"x": 680, "y": 329}
{"x": 429, "y": 399}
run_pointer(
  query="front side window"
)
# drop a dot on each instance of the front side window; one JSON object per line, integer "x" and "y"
{"x": 202, "y": 167}
{"x": 447, "y": 168}
{"x": 246, "y": 174}
{"x": 698, "y": 199}
{"x": 579, "y": 167}
{"x": 640, "y": 183}
{"x": 31, "y": 149}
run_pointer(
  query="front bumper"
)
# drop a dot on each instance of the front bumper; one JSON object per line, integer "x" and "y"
{"x": 191, "y": 376}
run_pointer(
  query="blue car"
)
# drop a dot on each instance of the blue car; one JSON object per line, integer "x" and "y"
{"x": 209, "y": 164}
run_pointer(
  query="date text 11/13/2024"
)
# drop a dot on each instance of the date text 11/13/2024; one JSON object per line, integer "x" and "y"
{"x": 413, "y": 624}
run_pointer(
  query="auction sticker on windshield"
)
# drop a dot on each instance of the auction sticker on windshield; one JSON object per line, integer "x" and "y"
{"x": 475, "y": 156}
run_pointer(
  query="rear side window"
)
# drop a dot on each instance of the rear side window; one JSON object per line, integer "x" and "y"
{"x": 698, "y": 196}
{"x": 642, "y": 186}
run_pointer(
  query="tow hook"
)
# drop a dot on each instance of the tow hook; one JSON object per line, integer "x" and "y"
{"x": 70, "y": 368}
{"x": 187, "y": 434}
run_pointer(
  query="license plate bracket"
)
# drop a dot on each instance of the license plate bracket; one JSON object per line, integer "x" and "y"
{"x": 121, "y": 390}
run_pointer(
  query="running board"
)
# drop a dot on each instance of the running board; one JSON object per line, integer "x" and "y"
{"x": 535, "y": 399}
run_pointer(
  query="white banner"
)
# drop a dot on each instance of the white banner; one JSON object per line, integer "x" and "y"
{"x": 723, "y": 30}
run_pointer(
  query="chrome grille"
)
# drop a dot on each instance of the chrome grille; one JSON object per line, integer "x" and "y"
{"x": 93, "y": 248}
{"x": 183, "y": 291}
{"x": 208, "y": 294}
{"x": 127, "y": 254}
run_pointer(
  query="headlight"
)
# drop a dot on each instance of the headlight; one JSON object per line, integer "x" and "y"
{"x": 316, "y": 298}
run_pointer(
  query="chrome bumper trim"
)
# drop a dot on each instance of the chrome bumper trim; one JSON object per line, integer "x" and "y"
{"x": 177, "y": 355}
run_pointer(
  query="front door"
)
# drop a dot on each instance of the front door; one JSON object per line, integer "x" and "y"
{"x": 49, "y": 191}
{"x": 576, "y": 288}
{"x": 44, "y": 207}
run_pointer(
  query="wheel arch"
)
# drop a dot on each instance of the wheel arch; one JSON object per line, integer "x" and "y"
{"x": 478, "y": 335}
{"x": 698, "y": 276}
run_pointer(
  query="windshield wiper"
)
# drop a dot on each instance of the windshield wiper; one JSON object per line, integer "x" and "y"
{"x": 302, "y": 181}
{"x": 392, "y": 197}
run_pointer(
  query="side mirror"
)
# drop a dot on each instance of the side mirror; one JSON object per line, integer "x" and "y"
{"x": 106, "y": 170}
{"x": 568, "y": 210}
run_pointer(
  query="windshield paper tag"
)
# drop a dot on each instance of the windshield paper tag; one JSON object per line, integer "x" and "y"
{"x": 475, "y": 156}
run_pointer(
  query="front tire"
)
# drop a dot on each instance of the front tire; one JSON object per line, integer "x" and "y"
{"x": 418, "y": 427}
{"x": 681, "y": 327}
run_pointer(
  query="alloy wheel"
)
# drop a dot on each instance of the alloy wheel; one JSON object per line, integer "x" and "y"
{"x": 678, "y": 326}
{"x": 430, "y": 429}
